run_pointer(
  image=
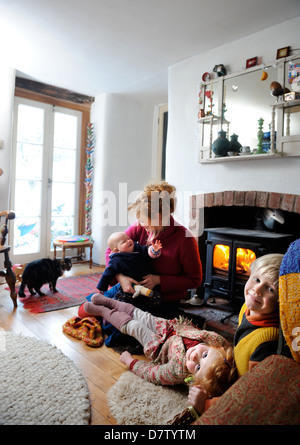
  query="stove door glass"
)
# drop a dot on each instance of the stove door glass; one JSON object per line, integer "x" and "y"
{"x": 221, "y": 257}
{"x": 244, "y": 258}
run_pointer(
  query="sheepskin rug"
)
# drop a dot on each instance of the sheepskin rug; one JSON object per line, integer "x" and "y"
{"x": 39, "y": 385}
{"x": 133, "y": 401}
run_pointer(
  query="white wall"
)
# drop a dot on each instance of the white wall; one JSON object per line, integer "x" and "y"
{"x": 123, "y": 163}
{"x": 183, "y": 169}
{"x": 7, "y": 89}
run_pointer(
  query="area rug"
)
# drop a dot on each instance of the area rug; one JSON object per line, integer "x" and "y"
{"x": 72, "y": 291}
{"x": 39, "y": 385}
{"x": 134, "y": 401}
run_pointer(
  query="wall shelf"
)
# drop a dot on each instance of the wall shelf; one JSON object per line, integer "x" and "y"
{"x": 287, "y": 103}
{"x": 284, "y": 137}
{"x": 240, "y": 158}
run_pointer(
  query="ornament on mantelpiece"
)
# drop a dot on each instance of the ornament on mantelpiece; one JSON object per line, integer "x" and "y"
{"x": 260, "y": 135}
{"x": 234, "y": 143}
{"x": 221, "y": 145}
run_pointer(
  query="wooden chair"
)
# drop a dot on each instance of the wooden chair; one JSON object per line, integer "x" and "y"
{"x": 7, "y": 272}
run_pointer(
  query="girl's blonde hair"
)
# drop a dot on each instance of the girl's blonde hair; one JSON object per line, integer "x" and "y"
{"x": 157, "y": 197}
{"x": 268, "y": 265}
{"x": 221, "y": 375}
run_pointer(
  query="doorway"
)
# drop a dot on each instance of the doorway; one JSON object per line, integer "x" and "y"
{"x": 162, "y": 142}
{"x": 45, "y": 177}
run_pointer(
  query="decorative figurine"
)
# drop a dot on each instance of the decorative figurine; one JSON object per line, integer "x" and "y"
{"x": 264, "y": 75}
{"x": 220, "y": 70}
{"x": 206, "y": 76}
{"x": 260, "y": 136}
{"x": 276, "y": 89}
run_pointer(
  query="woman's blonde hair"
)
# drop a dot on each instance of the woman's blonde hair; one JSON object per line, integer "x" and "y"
{"x": 221, "y": 375}
{"x": 268, "y": 265}
{"x": 156, "y": 198}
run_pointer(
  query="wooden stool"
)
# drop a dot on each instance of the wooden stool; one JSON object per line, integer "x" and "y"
{"x": 75, "y": 245}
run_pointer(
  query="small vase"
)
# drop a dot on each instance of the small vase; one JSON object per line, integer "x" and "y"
{"x": 234, "y": 143}
{"x": 221, "y": 145}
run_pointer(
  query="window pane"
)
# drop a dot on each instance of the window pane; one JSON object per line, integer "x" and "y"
{"x": 29, "y": 161}
{"x": 26, "y": 235}
{"x": 64, "y": 165}
{"x": 30, "y": 124}
{"x": 28, "y": 198}
{"x": 61, "y": 226}
{"x": 65, "y": 131}
{"x": 63, "y": 199}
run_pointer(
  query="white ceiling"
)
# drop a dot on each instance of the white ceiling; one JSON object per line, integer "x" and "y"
{"x": 124, "y": 46}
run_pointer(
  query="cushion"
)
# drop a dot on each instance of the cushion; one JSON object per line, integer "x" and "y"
{"x": 86, "y": 329}
{"x": 289, "y": 298}
{"x": 72, "y": 239}
{"x": 269, "y": 394}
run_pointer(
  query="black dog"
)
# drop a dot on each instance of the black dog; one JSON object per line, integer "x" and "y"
{"x": 43, "y": 271}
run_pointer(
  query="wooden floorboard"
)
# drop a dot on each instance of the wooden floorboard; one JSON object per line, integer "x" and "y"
{"x": 100, "y": 366}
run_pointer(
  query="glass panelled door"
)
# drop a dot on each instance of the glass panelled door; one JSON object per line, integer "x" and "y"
{"x": 64, "y": 200}
{"x": 45, "y": 177}
{"x": 28, "y": 164}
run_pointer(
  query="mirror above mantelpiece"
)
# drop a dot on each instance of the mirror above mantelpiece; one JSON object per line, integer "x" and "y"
{"x": 240, "y": 100}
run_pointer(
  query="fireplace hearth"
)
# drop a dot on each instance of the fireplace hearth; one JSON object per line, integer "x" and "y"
{"x": 241, "y": 212}
{"x": 229, "y": 254}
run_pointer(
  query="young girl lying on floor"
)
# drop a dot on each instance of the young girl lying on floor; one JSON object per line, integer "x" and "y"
{"x": 176, "y": 349}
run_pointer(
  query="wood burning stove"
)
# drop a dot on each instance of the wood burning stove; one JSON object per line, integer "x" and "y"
{"x": 229, "y": 254}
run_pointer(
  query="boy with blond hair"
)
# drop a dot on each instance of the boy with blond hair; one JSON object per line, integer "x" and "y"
{"x": 257, "y": 334}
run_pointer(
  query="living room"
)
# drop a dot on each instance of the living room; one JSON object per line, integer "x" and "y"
{"x": 126, "y": 132}
{"x": 117, "y": 118}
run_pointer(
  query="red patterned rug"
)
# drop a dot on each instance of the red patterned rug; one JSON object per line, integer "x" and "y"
{"x": 72, "y": 291}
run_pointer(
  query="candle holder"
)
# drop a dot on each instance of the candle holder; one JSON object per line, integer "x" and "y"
{"x": 260, "y": 136}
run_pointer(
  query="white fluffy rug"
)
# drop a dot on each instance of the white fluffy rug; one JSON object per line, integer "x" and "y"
{"x": 133, "y": 401}
{"x": 39, "y": 385}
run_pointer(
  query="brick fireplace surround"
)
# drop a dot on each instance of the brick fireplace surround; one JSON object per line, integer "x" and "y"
{"x": 237, "y": 209}
{"x": 237, "y": 199}
{"x": 271, "y": 200}
{"x": 219, "y": 209}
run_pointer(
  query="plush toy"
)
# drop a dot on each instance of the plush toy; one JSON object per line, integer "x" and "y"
{"x": 188, "y": 416}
